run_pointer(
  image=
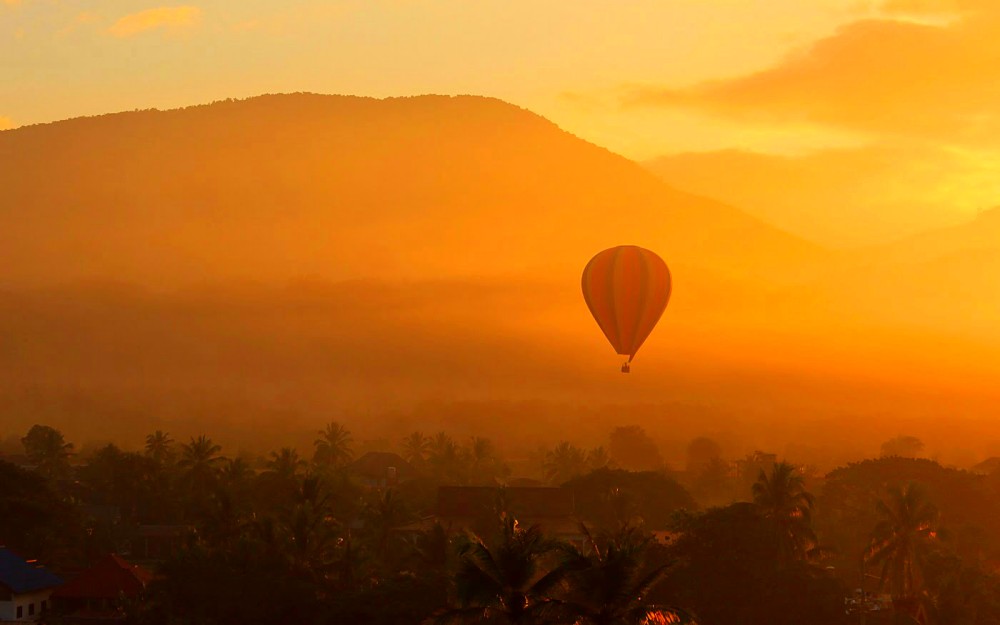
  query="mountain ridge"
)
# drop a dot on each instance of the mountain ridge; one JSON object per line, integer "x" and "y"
{"x": 277, "y": 170}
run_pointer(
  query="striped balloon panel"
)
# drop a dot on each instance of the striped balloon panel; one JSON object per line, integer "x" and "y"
{"x": 627, "y": 289}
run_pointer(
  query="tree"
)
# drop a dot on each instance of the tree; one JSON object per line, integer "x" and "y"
{"x": 285, "y": 464}
{"x": 564, "y": 463}
{"x": 160, "y": 447}
{"x": 502, "y": 580}
{"x": 783, "y": 499}
{"x": 333, "y": 447}
{"x": 381, "y": 516}
{"x": 416, "y": 446}
{"x": 608, "y": 498}
{"x": 199, "y": 460}
{"x": 701, "y": 452}
{"x": 608, "y": 582}
{"x": 903, "y": 540}
{"x": 46, "y": 448}
{"x": 631, "y": 448}
{"x": 484, "y": 465}
{"x": 598, "y": 458}
{"x": 729, "y": 569}
{"x": 903, "y": 446}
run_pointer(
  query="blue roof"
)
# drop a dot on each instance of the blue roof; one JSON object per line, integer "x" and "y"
{"x": 21, "y": 576}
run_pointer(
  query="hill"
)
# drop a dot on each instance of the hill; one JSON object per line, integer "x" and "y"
{"x": 285, "y": 186}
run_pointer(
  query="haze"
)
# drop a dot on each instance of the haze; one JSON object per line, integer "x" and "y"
{"x": 819, "y": 176}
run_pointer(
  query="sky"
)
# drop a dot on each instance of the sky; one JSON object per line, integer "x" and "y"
{"x": 912, "y": 82}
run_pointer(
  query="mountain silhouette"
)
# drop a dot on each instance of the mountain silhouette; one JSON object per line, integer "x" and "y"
{"x": 285, "y": 186}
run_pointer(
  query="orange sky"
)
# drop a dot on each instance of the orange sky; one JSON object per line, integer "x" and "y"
{"x": 833, "y": 80}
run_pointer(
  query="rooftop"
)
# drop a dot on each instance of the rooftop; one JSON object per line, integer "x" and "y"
{"x": 23, "y": 576}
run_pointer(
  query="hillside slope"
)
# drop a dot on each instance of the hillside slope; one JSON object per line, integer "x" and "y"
{"x": 279, "y": 187}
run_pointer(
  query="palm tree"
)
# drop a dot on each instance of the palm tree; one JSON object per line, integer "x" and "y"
{"x": 310, "y": 527}
{"x": 564, "y": 463}
{"x": 484, "y": 465}
{"x": 199, "y": 458}
{"x": 159, "y": 446}
{"x": 783, "y": 499}
{"x": 285, "y": 463}
{"x": 902, "y": 541}
{"x": 503, "y": 581}
{"x": 415, "y": 448}
{"x": 598, "y": 458}
{"x": 333, "y": 447}
{"x": 383, "y": 515}
{"x": 444, "y": 458}
{"x": 608, "y": 586}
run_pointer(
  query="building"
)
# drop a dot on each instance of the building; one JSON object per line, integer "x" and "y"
{"x": 158, "y": 542}
{"x": 382, "y": 469}
{"x": 25, "y": 588}
{"x": 97, "y": 593}
{"x": 474, "y": 508}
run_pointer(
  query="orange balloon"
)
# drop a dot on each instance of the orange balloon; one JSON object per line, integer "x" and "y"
{"x": 627, "y": 289}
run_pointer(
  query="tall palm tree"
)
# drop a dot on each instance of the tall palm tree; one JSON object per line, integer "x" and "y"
{"x": 415, "y": 448}
{"x": 607, "y": 585}
{"x": 783, "y": 499}
{"x": 310, "y": 527}
{"x": 484, "y": 465}
{"x": 503, "y": 580}
{"x": 598, "y": 458}
{"x": 333, "y": 447}
{"x": 564, "y": 463}
{"x": 902, "y": 541}
{"x": 159, "y": 446}
{"x": 200, "y": 458}
{"x": 285, "y": 463}
{"x": 387, "y": 512}
{"x": 444, "y": 458}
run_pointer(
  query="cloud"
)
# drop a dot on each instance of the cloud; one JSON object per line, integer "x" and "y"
{"x": 880, "y": 76}
{"x": 169, "y": 19}
{"x": 6, "y": 123}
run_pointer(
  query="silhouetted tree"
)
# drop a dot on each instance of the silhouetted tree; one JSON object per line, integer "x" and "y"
{"x": 783, "y": 499}
{"x": 333, "y": 447}
{"x": 631, "y": 448}
{"x": 160, "y": 447}
{"x": 502, "y": 580}
{"x": 285, "y": 464}
{"x": 700, "y": 453}
{"x": 903, "y": 540}
{"x": 416, "y": 446}
{"x": 46, "y": 448}
{"x": 608, "y": 581}
{"x": 903, "y": 446}
{"x": 565, "y": 462}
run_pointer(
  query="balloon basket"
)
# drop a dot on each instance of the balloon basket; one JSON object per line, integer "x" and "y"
{"x": 626, "y": 368}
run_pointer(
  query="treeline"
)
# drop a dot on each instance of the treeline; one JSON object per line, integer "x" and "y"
{"x": 286, "y": 539}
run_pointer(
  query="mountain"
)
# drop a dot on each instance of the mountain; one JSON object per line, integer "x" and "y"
{"x": 286, "y": 186}
{"x": 841, "y": 198}
{"x": 287, "y": 258}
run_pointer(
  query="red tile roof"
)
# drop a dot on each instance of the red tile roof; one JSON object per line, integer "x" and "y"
{"x": 109, "y": 578}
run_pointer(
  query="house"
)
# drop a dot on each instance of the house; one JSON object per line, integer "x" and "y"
{"x": 158, "y": 542}
{"x": 474, "y": 508}
{"x": 382, "y": 469}
{"x": 25, "y": 588}
{"x": 96, "y": 594}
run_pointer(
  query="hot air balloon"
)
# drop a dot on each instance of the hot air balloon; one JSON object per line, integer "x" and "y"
{"x": 627, "y": 289}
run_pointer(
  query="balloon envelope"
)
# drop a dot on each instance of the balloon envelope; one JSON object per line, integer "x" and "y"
{"x": 627, "y": 289}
